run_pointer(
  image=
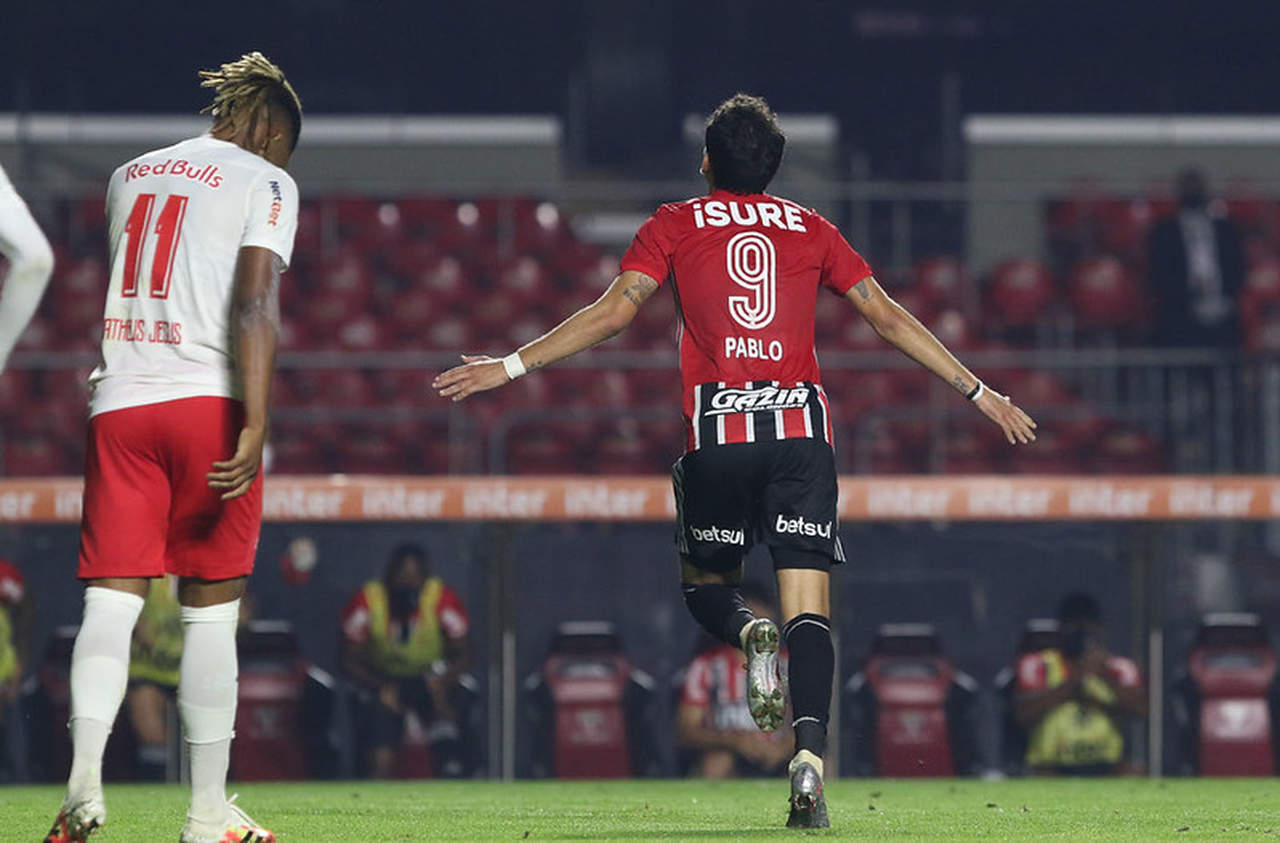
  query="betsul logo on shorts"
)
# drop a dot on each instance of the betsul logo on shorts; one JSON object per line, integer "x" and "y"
{"x": 801, "y": 526}
{"x": 720, "y": 535}
{"x": 734, "y": 400}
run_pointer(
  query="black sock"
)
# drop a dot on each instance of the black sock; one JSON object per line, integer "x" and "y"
{"x": 719, "y": 608}
{"x": 813, "y": 664}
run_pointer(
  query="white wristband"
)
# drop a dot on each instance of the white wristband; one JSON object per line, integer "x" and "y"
{"x": 977, "y": 393}
{"x": 514, "y": 365}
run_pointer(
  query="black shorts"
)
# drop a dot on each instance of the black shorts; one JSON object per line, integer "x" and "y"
{"x": 782, "y": 493}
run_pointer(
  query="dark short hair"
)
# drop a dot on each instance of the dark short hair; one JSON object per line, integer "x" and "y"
{"x": 744, "y": 144}
{"x": 1079, "y": 606}
{"x": 402, "y": 552}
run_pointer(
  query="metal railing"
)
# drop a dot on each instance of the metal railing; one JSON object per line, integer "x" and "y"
{"x": 1214, "y": 412}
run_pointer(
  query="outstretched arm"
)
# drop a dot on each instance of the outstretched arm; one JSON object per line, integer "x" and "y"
{"x": 898, "y": 327}
{"x": 595, "y": 323}
{"x": 30, "y": 265}
{"x": 255, "y": 320}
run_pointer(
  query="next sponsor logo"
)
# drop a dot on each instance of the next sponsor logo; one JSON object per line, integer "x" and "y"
{"x": 277, "y": 203}
{"x": 755, "y": 400}
{"x": 801, "y": 526}
{"x": 721, "y": 535}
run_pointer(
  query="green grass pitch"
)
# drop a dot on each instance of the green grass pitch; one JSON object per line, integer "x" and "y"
{"x": 1045, "y": 809}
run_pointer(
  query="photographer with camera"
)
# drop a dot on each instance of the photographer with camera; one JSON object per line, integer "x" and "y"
{"x": 1073, "y": 699}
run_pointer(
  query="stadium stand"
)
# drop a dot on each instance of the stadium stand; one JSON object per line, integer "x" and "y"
{"x": 435, "y": 274}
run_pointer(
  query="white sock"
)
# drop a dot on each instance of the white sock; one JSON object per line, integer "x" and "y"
{"x": 207, "y": 705}
{"x": 99, "y": 676}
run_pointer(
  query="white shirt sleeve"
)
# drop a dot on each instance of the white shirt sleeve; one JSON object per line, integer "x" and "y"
{"x": 272, "y": 217}
{"x": 30, "y": 265}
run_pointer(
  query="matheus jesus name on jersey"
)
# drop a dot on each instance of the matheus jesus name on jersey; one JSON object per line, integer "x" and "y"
{"x": 746, "y": 271}
{"x": 176, "y": 220}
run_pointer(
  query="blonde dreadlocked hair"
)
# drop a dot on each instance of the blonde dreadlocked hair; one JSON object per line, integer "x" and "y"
{"x": 242, "y": 87}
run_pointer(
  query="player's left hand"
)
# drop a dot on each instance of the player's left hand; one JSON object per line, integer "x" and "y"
{"x": 237, "y": 474}
{"x": 478, "y": 372}
{"x": 1018, "y": 427}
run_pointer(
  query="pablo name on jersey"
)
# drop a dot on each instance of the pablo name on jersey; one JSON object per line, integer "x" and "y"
{"x": 718, "y": 214}
{"x": 207, "y": 175}
{"x": 136, "y": 330}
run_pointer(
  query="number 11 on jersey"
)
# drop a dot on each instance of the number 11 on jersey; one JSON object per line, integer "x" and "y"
{"x": 168, "y": 229}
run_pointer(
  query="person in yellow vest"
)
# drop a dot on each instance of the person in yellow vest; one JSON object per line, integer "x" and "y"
{"x": 15, "y": 625}
{"x": 155, "y": 654}
{"x": 404, "y": 645}
{"x": 1073, "y": 700}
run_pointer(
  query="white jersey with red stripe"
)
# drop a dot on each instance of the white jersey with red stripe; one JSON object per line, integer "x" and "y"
{"x": 746, "y": 271}
{"x": 176, "y": 220}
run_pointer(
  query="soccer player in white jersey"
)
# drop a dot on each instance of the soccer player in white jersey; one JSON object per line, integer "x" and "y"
{"x": 30, "y": 265}
{"x": 199, "y": 234}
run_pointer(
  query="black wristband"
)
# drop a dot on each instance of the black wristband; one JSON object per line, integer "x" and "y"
{"x": 973, "y": 393}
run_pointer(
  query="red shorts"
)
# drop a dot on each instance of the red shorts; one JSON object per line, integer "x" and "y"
{"x": 148, "y": 508}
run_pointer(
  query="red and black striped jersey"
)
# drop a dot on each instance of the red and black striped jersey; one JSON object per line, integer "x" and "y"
{"x": 746, "y": 271}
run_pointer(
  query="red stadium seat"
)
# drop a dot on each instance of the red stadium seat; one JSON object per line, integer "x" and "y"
{"x": 1105, "y": 296}
{"x": 524, "y": 278}
{"x": 941, "y": 280}
{"x": 954, "y": 330}
{"x": 35, "y": 456}
{"x": 539, "y": 450}
{"x": 622, "y": 448}
{"x": 1034, "y": 388}
{"x": 369, "y": 450}
{"x": 364, "y": 333}
{"x": 1123, "y": 450}
{"x": 346, "y": 276}
{"x": 1052, "y": 453}
{"x": 15, "y": 394}
{"x": 890, "y": 453}
{"x": 969, "y": 449}
{"x": 1123, "y": 225}
{"x": 540, "y": 227}
{"x": 451, "y": 333}
{"x": 294, "y": 452}
{"x": 1019, "y": 293}
{"x": 40, "y": 335}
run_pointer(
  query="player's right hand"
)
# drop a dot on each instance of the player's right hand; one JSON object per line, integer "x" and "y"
{"x": 477, "y": 373}
{"x": 235, "y": 476}
{"x": 1018, "y": 427}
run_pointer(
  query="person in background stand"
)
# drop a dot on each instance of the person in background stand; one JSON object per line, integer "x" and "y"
{"x": 154, "y": 662}
{"x": 404, "y": 644}
{"x": 1073, "y": 699}
{"x": 1195, "y": 271}
{"x": 713, "y": 721}
{"x": 15, "y": 626}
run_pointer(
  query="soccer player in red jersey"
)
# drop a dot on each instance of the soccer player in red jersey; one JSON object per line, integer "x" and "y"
{"x": 746, "y": 268}
{"x": 199, "y": 234}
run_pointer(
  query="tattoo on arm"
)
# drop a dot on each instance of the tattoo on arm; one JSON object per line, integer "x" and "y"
{"x": 962, "y": 386}
{"x": 638, "y": 292}
{"x": 864, "y": 290}
{"x": 265, "y": 306}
